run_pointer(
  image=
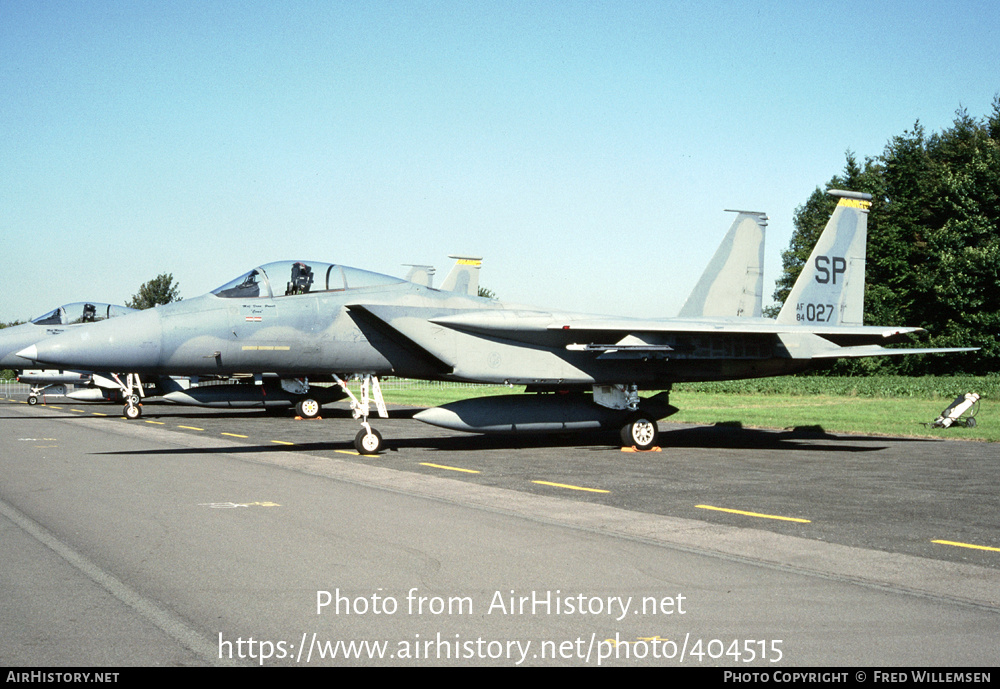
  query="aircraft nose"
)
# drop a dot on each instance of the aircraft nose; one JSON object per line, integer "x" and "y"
{"x": 125, "y": 344}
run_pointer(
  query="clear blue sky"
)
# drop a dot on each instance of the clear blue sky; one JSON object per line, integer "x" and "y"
{"x": 586, "y": 149}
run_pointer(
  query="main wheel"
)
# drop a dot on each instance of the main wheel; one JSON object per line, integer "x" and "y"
{"x": 132, "y": 411}
{"x": 971, "y": 423}
{"x": 307, "y": 408}
{"x": 640, "y": 432}
{"x": 368, "y": 443}
{"x": 32, "y": 400}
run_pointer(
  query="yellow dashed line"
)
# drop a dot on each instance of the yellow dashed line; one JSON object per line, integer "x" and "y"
{"x": 158, "y": 423}
{"x": 97, "y": 413}
{"x": 968, "y": 545}
{"x": 234, "y": 435}
{"x": 191, "y": 428}
{"x": 755, "y": 514}
{"x": 348, "y": 452}
{"x": 566, "y": 485}
{"x": 79, "y": 410}
{"x": 442, "y": 466}
{"x": 282, "y": 442}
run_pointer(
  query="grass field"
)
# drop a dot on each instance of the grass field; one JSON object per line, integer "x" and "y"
{"x": 899, "y": 417}
{"x": 892, "y": 406}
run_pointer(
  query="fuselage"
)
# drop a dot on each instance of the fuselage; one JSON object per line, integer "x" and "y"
{"x": 386, "y": 326}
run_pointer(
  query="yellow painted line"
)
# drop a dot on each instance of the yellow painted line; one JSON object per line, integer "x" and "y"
{"x": 51, "y": 406}
{"x": 968, "y": 545}
{"x": 348, "y": 452}
{"x": 97, "y": 413}
{"x": 79, "y": 410}
{"x": 234, "y": 435}
{"x": 190, "y": 428}
{"x": 756, "y": 514}
{"x": 442, "y": 466}
{"x": 566, "y": 485}
{"x": 282, "y": 442}
{"x": 158, "y": 423}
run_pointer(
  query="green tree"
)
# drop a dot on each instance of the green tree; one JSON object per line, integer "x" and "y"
{"x": 933, "y": 242}
{"x": 159, "y": 290}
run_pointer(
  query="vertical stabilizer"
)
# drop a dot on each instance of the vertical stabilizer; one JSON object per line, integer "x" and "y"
{"x": 420, "y": 274}
{"x": 733, "y": 281}
{"x": 464, "y": 276}
{"x": 831, "y": 287}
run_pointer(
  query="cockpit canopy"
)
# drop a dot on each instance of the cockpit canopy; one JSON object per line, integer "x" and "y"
{"x": 286, "y": 278}
{"x": 81, "y": 312}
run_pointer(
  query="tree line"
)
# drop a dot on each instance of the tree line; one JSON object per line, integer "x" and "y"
{"x": 933, "y": 243}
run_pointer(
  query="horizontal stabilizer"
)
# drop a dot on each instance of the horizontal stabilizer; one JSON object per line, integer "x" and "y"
{"x": 874, "y": 350}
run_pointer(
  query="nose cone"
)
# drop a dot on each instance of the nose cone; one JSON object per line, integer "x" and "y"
{"x": 126, "y": 344}
{"x": 16, "y": 338}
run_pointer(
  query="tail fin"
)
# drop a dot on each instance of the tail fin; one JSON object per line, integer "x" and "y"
{"x": 831, "y": 287}
{"x": 420, "y": 274}
{"x": 464, "y": 276}
{"x": 733, "y": 281}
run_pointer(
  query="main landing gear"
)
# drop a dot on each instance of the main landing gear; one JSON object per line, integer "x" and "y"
{"x": 368, "y": 441}
{"x": 307, "y": 408}
{"x": 640, "y": 432}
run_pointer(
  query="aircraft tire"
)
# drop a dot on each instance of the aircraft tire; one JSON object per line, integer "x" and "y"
{"x": 132, "y": 412}
{"x": 32, "y": 400}
{"x": 307, "y": 408}
{"x": 971, "y": 423}
{"x": 640, "y": 432}
{"x": 368, "y": 443}
{"x": 135, "y": 400}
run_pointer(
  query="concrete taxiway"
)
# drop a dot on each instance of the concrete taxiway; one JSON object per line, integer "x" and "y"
{"x": 183, "y": 536}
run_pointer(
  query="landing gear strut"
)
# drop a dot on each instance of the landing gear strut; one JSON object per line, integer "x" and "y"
{"x": 368, "y": 441}
{"x": 132, "y": 392}
{"x": 640, "y": 430}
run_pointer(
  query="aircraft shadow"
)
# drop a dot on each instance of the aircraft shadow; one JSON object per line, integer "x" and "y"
{"x": 720, "y": 436}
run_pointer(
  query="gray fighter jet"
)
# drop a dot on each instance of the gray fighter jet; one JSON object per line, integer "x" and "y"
{"x": 323, "y": 321}
{"x": 56, "y": 321}
{"x": 88, "y": 386}
{"x": 259, "y": 391}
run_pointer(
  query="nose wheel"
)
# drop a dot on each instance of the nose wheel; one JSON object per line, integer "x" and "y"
{"x": 368, "y": 441}
{"x": 132, "y": 393}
